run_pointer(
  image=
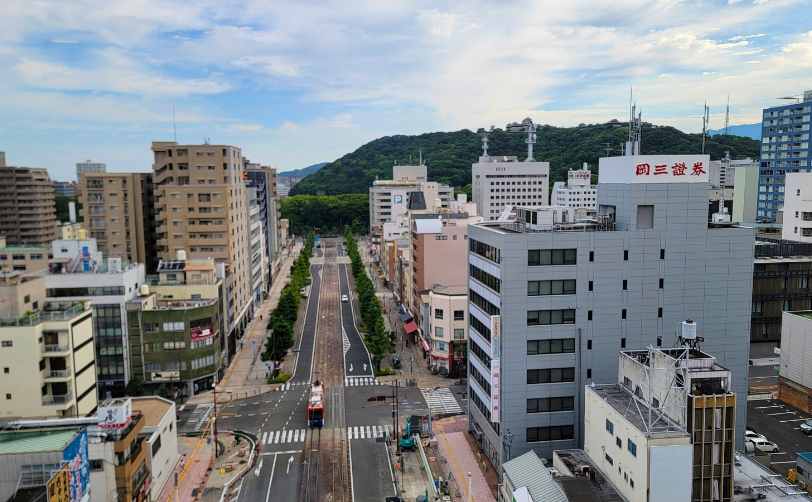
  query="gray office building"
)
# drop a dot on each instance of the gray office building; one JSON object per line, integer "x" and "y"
{"x": 552, "y": 299}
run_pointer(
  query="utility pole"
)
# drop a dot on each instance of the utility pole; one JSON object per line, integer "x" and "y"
{"x": 214, "y": 420}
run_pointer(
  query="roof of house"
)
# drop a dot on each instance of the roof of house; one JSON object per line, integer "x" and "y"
{"x": 451, "y": 290}
{"x": 15, "y": 443}
{"x": 527, "y": 470}
{"x": 153, "y": 408}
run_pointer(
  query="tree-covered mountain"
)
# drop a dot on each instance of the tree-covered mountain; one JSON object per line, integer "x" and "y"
{"x": 305, "y": 171}
{"x": 449, "y": 155}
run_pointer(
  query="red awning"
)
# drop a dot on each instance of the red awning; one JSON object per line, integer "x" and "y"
{"x": 425, "y": 346}
{"x": 410, "y": 327}
{"x": 436, "y": 356}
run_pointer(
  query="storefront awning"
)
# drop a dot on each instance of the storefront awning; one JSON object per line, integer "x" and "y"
{"x": 399, "y": 307}
{"x": 436, "y": 356}
{"x": 425, "y": 346}
{"x": 381, "y": 276}
{"x": 406, "y": 317}
{"x": 410, "y": 327}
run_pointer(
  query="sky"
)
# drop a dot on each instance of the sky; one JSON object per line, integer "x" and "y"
{"x": 296, "y": 83}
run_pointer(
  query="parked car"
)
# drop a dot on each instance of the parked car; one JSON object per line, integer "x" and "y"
{"x": 765, "y": 445}
{"x": 806, "y": 427}
{"x": 345, "y": 298}
{"x": 753, "y": 435}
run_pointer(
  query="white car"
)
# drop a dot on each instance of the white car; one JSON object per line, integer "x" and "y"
{"x": 344, "y": 298}
{"x": 753, "y": 435}
{"x": 765, "y": 446}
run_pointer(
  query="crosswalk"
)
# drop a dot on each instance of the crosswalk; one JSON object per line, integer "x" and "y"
{"x": 289, "y": 385}
{"x": 368, "y": 432}
{"x": 441, "y": 401}
{"x": 360, "y": 381}
{"x": 345, "y": 341}
{"x": 200, "y": 416}
{"x": 286, "y": 436}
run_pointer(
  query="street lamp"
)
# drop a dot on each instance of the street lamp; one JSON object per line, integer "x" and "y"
{"x": 470, "y": 493}
{"x": 507, "y": 441}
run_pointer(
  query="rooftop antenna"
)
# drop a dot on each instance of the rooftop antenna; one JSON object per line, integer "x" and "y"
{"x": 705, "y": 122}
{"x": 485, "y": 144}
{"x": 531, "y": 138}
{"x": 608, "y": 148}
{"x": 635, "y": 127}
{"x": 727, "y": 116}
{"x": 174, "y": 126}
{"x": 421, "y": 156}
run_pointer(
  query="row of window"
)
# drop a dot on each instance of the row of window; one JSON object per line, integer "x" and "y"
{"x": 552, "y": 433}
{"x": 480, "y": 379}
{"x": 479, "y": 327}
{"x": 486, "y": 251}
{"x": 89, "y": 291}
{"x": 550, "y": 404}
{"x": 485, "y": 278}
{"x": 480, "y": 301}
{"x": 550, "y": 375}
{"x": 538, "y": 257}
{"x": 554, "y": 346}
{"x": 459, "y": 315}
{"x": 555, "y": 287}
{"x": 32, "y": 256}
{"x": 547, "y": 317}
{"x": 479, "y": 353}
{"x": 481, "y": 406}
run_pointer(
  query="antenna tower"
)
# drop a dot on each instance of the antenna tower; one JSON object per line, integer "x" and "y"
{"x": 705, "y": 124}
{"x": 174, "y": 126}
{"x": 531, "y": 138}
{"x": 727, "y": 117}
{"x": 635, "y": 128}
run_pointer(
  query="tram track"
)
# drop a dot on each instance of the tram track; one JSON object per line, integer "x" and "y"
{"x": 326, "y": 475}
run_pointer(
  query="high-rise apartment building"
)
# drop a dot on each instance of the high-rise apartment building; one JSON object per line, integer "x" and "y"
{"x": 27, "y": 208}
{"x": 46, "y": 351}
{"x": 550, "y": 298}
{"x": 89, "y": 166}
{"x": 263, "y": 179}
{"x": 784, "y": 149}
{"x": 500, "y": 181}
{"x": 117, "y": 211}
{"x": 202, "y": 208}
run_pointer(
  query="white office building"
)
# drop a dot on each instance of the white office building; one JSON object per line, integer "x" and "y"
{"x": 89, "y": 166}
{"x": 578, "y": 191}
{"x": 389, "y": 198}
{"x": 500, "y": 181}
{"x": 798, "y": 207}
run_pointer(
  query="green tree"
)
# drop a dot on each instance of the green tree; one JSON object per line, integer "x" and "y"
{"x": 62, "y": 208}
{"x": 163, "y": 391}
{"x": 135, "y": 387}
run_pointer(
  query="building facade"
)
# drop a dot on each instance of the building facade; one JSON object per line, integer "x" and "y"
{"x": 202, "y": 209}
{"x": 795, "y": 384}
{"x": 797, "y": 225}
{"x": 389, "y": 198}
{"x": 576, "y": 291}
{"x": 784, "y": 149}
{"x": 66, "y": 188}
{"x": 579, "y": 192}
{"x": 27, "y": 207}
{"x": 46, "y": 352}
{"x": 447, "y": 326}
{"x": 118, "y": 212}
{"x": 263, "y": 179}
{"x": 498, "y": 182}
{"x": 89, "y": 166}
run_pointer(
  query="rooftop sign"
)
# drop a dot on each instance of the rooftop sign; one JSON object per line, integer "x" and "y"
{"x": 654, "y": 169}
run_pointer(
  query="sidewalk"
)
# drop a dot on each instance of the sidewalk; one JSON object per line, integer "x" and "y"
{"x": 458, "y": 451}
{"x": 415, "y": 369}
{"x": 195, "y": 478}
{"x": 245, "y": 376}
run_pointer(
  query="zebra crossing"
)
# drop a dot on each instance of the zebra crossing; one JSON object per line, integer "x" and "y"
{"x": 368, "y": 432}
{"x": 200, "y": 415}
{"x": 284, "y": 436}
{"x": 360, "y": 381}
{"x": 289, "y": 385}
{"x": 441, "y": 401}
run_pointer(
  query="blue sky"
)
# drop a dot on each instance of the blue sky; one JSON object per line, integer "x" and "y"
{"x": 295, "y": 83}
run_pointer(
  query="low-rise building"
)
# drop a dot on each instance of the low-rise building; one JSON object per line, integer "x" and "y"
{"x": 389, "y": 198}
{"x": 175, "y": 327}
{"x": 448, "y": 326}
{"x": 160, "y": 433}
{"x": 795, "y": 377}
{"x": 526, "y": 479}
{"x": 578, "y": 192}
{"x": 46, "y": 352}
{"x": 23, "y": 260}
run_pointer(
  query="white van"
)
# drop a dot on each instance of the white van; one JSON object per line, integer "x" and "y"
{"x": 764, "y": 445}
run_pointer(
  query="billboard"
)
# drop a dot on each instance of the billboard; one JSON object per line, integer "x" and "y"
{"x": 115, "y": 414}
{"x": 58, "y": 490}
{"x": 654, "y": 169}
{"x": 78, "y": 467}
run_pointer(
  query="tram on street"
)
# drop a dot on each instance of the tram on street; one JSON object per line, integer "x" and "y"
{"x": 315, "y": 405}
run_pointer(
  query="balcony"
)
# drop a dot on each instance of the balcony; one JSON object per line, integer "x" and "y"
{"x": 56, "y": 350}
{"x": 65, "y": 312}
{"x": 57, "y": 375}
{"x": 58, "y": 400}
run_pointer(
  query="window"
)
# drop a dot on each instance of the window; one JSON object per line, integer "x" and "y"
{"x": 592, "y": 256}
{"x": 589, "y": 345}
{"x": 550, "y": 404}
{"x": 174, "y": 345}
{"x": 18, "y": 257}
{"x": 438, "y": 331}
{"x": 554, "y": 433}
{"x": 173, "y": 326}
{"x": 459, "y": 315}
{"x": 591, "y": 285}
{"x": 632, "y": 447}
{"x": 27, "y": 299}
{"x": 558, "y": 287}
{"x": 662, "y": 254}
{"x": 546, "y": 317}
{"x": 758, "y": 307}
{"x": 555, "y": 346}
{"x": 8, "y": 396}
{"x": 645, "y": 217}
{"x": 627, "y": 382}
{"x": 538, "y": 257}
{"x": 622, "y": 343}
{"x": 626, "y": 255}
{"x": 589, "y": 315}
{"x": 6, "y": 370}
{"x": 485, "y": 278}
{"x": 623, "y": 314}
{"x": 609, "y": 459}
{"x": 662, "y": 283}
{"x": 550, "y": 375}
{"x": 786, "y": 305}
{"x": 619, "y": 442}
{"x": 610, "y": 427}
{"x": 96, "y": 465}
{"x": 36, "y": 256}
{"x": 625, "y": 284}
{"x": 438, "y": 313}
{"x": 660, "y": 312}
{"x": 631, "y": 483}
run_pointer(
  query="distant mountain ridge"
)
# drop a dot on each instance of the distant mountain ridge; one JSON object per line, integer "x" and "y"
{"x": 449, "y": 155}
{"x": 305, "y": 171}
{"x": 747, "y": 130}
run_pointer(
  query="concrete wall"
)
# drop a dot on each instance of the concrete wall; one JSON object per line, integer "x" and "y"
{"x": 796, "y": 348}
{"x": 102, "y": 481}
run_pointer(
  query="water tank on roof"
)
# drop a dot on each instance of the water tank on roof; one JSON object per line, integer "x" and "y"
{"x": 144, "y": 290}
{"x": 81, "y": 234}
{"x": 689, "y": 330}
{"x": 181, "y": 255}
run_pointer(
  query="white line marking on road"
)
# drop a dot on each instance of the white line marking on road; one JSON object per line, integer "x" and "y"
{"x": 781, "y": 413}
{"x": 793, "y": 420}
{"x": 264, "y": 438}
{"x": 268, "y": 496}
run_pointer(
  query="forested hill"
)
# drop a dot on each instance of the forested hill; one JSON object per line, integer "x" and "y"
{"x": 449, "y": 155}
{"x": 303, "y": 172}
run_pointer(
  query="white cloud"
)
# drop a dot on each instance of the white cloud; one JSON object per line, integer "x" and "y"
{"x": 243, "y": 127}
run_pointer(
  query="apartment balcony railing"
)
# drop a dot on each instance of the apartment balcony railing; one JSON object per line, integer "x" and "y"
{"x": 66, "y": 373}
{"x": 52, "y": 400}
{"x": 55, "y": 349}
{"x": 44, "y": 316}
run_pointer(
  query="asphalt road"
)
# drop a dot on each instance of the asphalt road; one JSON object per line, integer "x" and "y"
{"x": 357, "y": 362}
{"x": 307, "y": 342}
